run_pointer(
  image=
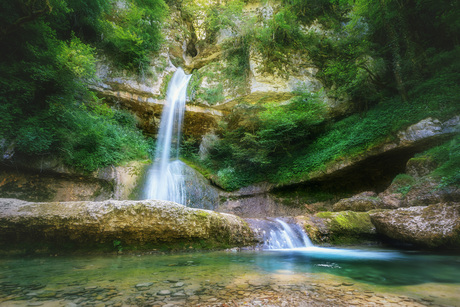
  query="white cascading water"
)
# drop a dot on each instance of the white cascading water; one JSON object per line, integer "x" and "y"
{"x": 278, "y": 234}
{"x": 165, "y": 177}
{"x": 286, "y": 236}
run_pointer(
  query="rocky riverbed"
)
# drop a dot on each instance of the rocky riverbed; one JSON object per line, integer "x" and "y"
{"x": 260, "y": 291}
{"x": 231, "y": 278}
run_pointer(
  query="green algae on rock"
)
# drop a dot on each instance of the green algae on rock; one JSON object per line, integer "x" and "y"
{"x": 344, "y": 227}
{"x": 137, "y": 225}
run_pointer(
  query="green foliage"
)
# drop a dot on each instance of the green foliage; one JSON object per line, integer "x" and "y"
{"x": 82, "y": 17}
{"x": 92, "y": 141}
{"x": 447, "y": 156}
{"x": 254, "y": 137}
{"x": 45, "y": 103}
{"x": 78, "y": 58}
{"x": 135, "y": 33}
{"x": 34, "y": 137}
{"x": 214, "y": 94}
{"x": 275, "y": 38}
{"x": 358, "y": 133}
{"x": 237, "y": 61}
{"x": 403, "y": 179}
{"x": 221, "y": 16}
{"x": 327, "y": 12}
{"x": 404, "y": 183}
{"x": 117, "y": 245}
{"x": 216, "y": 15}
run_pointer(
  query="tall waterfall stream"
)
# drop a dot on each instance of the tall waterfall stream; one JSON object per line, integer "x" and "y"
{"x": 165, "y": 179}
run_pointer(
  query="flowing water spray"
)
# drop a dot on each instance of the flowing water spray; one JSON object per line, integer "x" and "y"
{"x": 165, "y": 178}
{"x": 285, "y": 236}
{"x": 278, "y": 234}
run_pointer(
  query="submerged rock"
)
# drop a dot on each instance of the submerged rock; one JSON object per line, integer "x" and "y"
{"x": 139, "y": 224}
{"x": 429, "y": 226}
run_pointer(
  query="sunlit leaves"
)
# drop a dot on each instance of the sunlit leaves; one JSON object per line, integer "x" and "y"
{"x": 135, "y": 33}
{"x": 78, "y": 58}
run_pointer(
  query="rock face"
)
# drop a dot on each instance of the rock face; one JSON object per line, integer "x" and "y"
{"x": 140, "y": 224}
{"x": 48, "y": 179}
{"x": 257, "y": 206}
{"x": 429, "y": 226}
{"x": 146, "y": 98}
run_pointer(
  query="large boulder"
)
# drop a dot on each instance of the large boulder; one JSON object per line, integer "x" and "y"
{"x": 408, "y": 191}
{"x": 362, "y": 202}
{"x": 345, "y": 227}
{"x": 99, "y": 225}
{"x": 428, "y": 226}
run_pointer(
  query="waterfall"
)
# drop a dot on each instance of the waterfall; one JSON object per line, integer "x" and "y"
{"x": 165, "y": 179}
{"x": 278, "y": 234}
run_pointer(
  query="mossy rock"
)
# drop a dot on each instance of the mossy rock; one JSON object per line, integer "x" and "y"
{"x": 131, "y": 225}
{"x": 359, "y": 203}
{"x": 346, "y": 227}
{"x": 434, "y": 226}
{"x": 420, "y": 166}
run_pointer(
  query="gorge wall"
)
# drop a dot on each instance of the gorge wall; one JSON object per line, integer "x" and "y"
{"x": 230, "y": 72}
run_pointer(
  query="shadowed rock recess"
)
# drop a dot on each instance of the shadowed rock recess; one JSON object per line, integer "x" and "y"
{"x": 112, "y": 224}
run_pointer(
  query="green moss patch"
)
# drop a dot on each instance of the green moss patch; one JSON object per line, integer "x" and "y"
{"x": 347, "y": 227}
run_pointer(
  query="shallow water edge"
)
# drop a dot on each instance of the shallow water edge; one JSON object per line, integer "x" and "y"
{"x": 301, "y": 277}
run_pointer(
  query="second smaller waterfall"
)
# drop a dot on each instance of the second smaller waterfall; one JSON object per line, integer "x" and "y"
{"x": 279, "y": 234}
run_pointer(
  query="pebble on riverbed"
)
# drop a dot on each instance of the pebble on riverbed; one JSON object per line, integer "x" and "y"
{"x": 248, "y": 293}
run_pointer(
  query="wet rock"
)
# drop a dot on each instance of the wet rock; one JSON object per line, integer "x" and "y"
{"x": 179, "y": 294}
{"x": 130, "y": 222}
{"x": 338, "y": 227}
{"x": 428, "y": 226}
{"x": 407, "y": 191}
{"x": 144, "y": 285}
{"x": 164, "y": 292}
{"x": 427, "y": 128}
{"x": 178, "y": 285}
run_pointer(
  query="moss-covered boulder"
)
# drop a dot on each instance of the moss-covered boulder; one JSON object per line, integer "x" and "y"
{"x": 362, "y": 202}
{"x": 345, "y": 227}
{"x": 428, "y": 226}
{"x": 111, "y": 224}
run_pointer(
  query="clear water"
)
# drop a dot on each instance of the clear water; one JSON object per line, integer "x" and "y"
{"x": 165, "y": 176}
{"x": 112, "y": 279}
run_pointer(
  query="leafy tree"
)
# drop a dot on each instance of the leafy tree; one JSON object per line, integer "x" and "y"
{"x": 46, "y": 106}
{"x": 135, "y": 33}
